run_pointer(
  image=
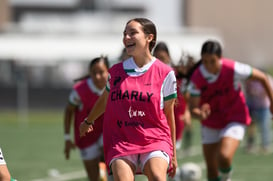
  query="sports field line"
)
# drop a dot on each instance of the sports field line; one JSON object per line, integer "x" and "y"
{"x": 65, "y": 176}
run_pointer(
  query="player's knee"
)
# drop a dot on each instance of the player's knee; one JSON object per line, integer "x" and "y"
{"x": 155, "y": 177}
{"x": 225, "y": 158}
{"x": 155, "y": 173}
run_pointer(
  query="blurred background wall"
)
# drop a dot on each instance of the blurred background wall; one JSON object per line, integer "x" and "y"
{"x": 245, "y": 26}
{"x": 46, "y": 44}
{"x": 5, "y": 12}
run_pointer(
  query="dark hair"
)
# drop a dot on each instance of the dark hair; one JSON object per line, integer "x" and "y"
{"x": 209, "y": 47}
{"x": 97, "y": 60}
{"x": 162, "y": 46}
{"x": 94, "y": 62}
{"x": 212, "y": 47}
{"x": 190, "y": 72}
{"x": 148, "y": 28}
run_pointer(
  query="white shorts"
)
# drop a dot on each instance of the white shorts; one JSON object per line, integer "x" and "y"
{"x": 233, "y": 130}
{"x": 139, "y": 160}
{"x": 2, "y": 160}
{"x": 93, "y": 151}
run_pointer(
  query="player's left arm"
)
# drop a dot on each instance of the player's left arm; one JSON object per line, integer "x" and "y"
{"x": 169, "y": 112}
{"x": 260, "y": 76}
{"x": 169, "y": 92}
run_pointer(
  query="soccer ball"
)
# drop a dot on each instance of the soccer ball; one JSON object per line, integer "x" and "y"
{"x": 188, "y": 172}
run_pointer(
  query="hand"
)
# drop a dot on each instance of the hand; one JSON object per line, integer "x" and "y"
{"x": 68, "y": 146}
{"x": 187, "y": 118}
{"x": 174, "y": 166}
{"x": 205, "y": 111}
{"x": 84, "y": 128}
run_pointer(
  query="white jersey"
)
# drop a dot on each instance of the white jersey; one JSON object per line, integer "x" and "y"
{"x": 241, "y": 73}
{"x": 168, "y": 87}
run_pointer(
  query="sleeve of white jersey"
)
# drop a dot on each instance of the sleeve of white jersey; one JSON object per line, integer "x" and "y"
{"x": 169, "y": 89}
{"x": 242, "y": 71}
{"x": 108, "y": 83}
{"x": 74, "y": 98}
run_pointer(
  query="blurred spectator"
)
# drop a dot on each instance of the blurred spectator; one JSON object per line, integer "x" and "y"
{"x": 258, "y": 104}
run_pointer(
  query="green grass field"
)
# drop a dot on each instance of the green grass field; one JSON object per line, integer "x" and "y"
{"x": 34, "y": 151}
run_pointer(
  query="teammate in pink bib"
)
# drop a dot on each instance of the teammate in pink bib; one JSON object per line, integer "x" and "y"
{"x": 82, "y": 99}
{"x": 138, "y": 103}
{"x": 217, "y": 100}
{"x": 224, "y": 100}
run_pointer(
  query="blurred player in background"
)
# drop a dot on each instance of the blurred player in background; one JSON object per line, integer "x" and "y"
{"x": 81, "y": 100}
{"x": 184, "y": 65}
{"x": 217, "y": 100}
{"x": 138, "y": 103}
{"x": 259, "y": 108}
{"x": 161, "y": 51}
{"x": 181, "y": 111}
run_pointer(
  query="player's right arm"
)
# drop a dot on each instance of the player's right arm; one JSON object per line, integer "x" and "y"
{"x": 198, "y": 112}
{"x": 69, "y": 112}
{"x": 97, "y": 110}
{"x": 73, "y": 103}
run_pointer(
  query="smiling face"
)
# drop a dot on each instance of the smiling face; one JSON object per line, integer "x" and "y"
{"x": 135, "y": 40}
{"x": 99, "y": 74}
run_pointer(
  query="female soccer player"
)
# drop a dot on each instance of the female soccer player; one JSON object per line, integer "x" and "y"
{"x": 161, "y": 51}
{"x": 139, "y": 127}
{"x": 82, "y": 98}
{"x": 217, "y": 100}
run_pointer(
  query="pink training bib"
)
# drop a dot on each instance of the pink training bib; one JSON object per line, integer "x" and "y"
{"x": 88, "y": 99}
{"x": 227, "y": 104}
{"x": 134, "y": 122}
